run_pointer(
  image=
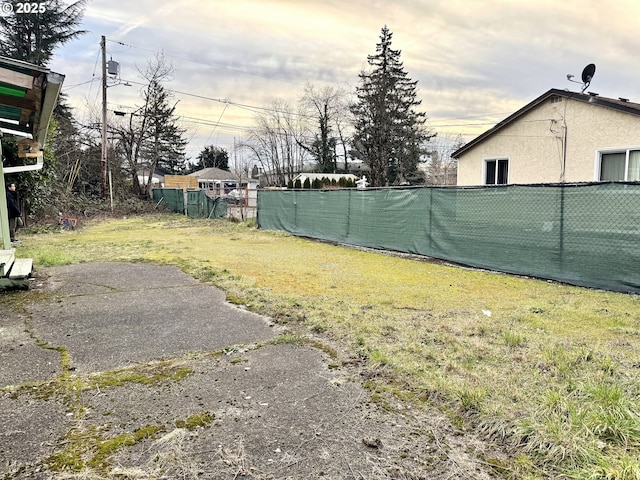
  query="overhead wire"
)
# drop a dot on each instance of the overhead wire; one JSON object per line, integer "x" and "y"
{"x": 216, "y": 124}
{"x": 69, "y": 87}
{"x": 259, "y": 109}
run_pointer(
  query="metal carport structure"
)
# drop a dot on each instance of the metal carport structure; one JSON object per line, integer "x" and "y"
{"x": 28, "y": 95}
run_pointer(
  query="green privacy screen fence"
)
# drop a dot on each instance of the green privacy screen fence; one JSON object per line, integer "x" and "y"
{"x": 585, "y": 234}
{"x": 199, "y": 204}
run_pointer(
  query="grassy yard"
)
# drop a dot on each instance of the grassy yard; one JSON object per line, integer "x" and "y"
{"x": 549, "y": 373}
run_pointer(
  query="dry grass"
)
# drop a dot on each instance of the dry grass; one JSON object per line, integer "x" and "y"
{"x": 547, "y": 371}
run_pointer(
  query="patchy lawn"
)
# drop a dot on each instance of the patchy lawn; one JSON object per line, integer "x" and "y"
{"x": 548, "y": 372}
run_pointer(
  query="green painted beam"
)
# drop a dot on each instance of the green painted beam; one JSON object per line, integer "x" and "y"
{"x": 12, "y": 91}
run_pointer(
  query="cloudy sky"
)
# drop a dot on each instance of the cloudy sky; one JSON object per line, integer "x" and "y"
{"x": 476, "y": 61}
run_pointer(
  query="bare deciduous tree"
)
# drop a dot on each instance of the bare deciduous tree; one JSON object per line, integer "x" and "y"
{"x": 326, "y": 109}
{"x": 152, "y": 136}
{"x": 275, "y": 143}
{"x": 442, "y": 169}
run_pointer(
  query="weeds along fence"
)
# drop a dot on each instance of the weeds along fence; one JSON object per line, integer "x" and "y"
{"x": 582, "y": 234}
{"x": 193, "y": 203}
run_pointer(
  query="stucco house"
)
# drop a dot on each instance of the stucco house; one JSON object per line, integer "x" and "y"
{"x": 561, "y": 136}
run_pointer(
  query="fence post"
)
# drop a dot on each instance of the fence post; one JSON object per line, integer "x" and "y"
{"x": 295, "y": 210}
{"x": 430, "y": 213}
{"x": 561, "y": 256}
{"x": 348, "y": 216}
{"x": 185, "y": 199}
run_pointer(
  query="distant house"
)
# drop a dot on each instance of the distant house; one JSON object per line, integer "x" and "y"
{"x": 157, "y": 179}
{"x": 216, "y": 180}
{"x": 560, "y": 136}
{"x": 223, "y": 183}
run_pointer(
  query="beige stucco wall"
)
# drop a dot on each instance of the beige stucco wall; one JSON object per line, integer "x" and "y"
{"x": 534, "y": 143}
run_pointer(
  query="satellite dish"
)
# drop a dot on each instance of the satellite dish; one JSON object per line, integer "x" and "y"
{"x": 587, "y": 74}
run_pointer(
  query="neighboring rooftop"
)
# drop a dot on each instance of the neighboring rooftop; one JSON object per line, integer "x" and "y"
{"x": 215, "y": 174}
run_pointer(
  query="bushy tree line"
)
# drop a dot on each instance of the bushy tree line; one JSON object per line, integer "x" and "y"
{"x": 322, "y": 183}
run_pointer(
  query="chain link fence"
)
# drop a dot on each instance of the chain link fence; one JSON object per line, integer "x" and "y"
{"x": 582, "y": 234}
{"x": 193, "y": 203}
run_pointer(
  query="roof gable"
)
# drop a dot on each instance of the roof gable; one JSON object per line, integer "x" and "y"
{"x": 213, "y": 174}
{"x": 620, "y": 104}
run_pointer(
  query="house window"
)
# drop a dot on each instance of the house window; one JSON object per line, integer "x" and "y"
{"x": 622, "y": 166}
{"x": 556, "y": 99}
{"x": 496, "y": 171}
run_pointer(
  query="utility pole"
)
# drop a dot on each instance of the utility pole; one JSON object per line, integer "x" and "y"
{"x": 103, "y": 161}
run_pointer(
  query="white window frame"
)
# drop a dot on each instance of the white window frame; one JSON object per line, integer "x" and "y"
{"x": 495, "y": 159}
{"x": 598, "y": 160}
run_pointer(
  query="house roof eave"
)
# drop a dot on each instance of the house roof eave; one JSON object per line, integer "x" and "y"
{"x": 28, "y": 95}
{"x": 213, "y": 174}
{"x": 623, "y": 106}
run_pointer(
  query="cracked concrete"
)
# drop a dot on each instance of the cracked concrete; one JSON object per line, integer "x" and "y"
{"x": 113, "y": 349}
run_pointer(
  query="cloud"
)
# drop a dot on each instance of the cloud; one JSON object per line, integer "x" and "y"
{"x": 481, "y": 60}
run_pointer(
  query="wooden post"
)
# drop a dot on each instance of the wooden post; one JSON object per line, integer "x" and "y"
{"x": 4, "y": 212}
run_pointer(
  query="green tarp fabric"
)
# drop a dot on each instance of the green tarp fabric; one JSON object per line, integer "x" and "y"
{"x": 199, "y": 204}
{"x": 585, "y": 234}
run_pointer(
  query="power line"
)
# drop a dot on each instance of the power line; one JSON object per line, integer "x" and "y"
{"x": 217, "y": 123}
{"x": 115, "y": 107}
{"x": 209, "y": 123}
{"x": 257, "y": 109}
{"x": 69, "y": 87}
{"x": 226, "y": 101}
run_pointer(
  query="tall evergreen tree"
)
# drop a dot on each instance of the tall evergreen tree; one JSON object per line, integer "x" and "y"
{"x": 213, "y": 157}
{"x": 389, "y": 133}
{"x": 32, "y": 37}
{"x": 165, "y": 144}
